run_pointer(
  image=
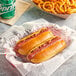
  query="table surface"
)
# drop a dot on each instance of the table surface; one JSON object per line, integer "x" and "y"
{"x": 67, "y": 69}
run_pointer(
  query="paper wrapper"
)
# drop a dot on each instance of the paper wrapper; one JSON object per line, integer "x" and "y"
{"x": 47, "y": 68}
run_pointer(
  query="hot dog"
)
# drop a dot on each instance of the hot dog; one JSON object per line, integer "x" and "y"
{"x": 29, "y": 42}
{"x": 41, "y": 45}
{"x": 46, "y": 50}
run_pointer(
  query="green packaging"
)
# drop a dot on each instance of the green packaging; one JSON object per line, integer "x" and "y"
{"x": 7, "y": 9}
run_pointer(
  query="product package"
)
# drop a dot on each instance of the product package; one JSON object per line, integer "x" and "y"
{"x": 47, "y": 68}
{"x": 21, "y": 6}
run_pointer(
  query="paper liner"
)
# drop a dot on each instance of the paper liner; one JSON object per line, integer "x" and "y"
{"x": 47, "y": 68}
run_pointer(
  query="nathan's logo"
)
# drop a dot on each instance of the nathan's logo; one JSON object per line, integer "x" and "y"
{"x": 6, "y": 8}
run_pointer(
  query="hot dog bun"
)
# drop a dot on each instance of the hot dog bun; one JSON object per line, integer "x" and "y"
{"x": 47, "y": 50}
{"x": 40, "y": 46}
{"x": 31, "y": 41}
